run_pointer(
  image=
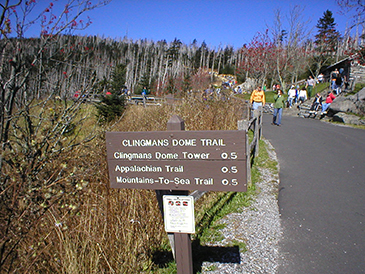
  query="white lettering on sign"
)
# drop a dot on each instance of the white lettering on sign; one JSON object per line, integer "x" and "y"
{"x": 174, "y": 168}
{"x": 181, "y": 181}
{"x": 176, "y": 181}
{"x": 174, "y": 142}
{"x": 135, "y": 168}
{"x": 191, "y": 160}
{"x": 166, "y": 156}
{"x": 134, "y": 180}
{"x": 201, "y": 181}
{"x": 212, "y": 142}
{"x": 233, "y": 182}
{"x": 195, "y": 156}
{"x": 184, "y": 142}
{"x": 145, "y": 143}
{"x": 131, "y": 156}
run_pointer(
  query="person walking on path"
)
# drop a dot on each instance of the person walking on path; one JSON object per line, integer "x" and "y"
{"x": 257, "y": 98}
{"x": 311, "y": 83}
{"x": 278, "y": 108}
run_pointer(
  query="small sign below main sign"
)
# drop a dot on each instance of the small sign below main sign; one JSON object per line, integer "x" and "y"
{"x": 179, "y": 214}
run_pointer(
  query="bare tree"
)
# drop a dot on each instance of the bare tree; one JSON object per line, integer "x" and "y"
{"x": 356, "y": 9}
{"x": 38, "y": 121}
{"x": 290, "y": 57}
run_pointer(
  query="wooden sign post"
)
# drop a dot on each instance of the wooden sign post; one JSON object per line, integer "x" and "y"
{"x": 175, "y": 162}
{"x": 182, "y": 242}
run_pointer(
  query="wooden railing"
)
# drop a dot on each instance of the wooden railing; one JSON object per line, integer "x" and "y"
{"x": 252, "y": 148}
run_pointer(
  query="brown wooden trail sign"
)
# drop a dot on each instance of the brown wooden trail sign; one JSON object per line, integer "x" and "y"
{"x": 178, "y": 160}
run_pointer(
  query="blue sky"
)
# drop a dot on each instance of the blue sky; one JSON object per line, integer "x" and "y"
{"x": 217, "y": 22}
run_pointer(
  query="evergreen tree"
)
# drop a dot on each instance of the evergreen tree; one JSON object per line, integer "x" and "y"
{"x": 144, "y": 82}
{"x": 118, "y": 78}
{"x": 327, "y": 37}
{"x": 173, "y": 52}
{"x": 110, "y": 107}
{"x": 112, "y": 104}
{"x": 187, "y": 82}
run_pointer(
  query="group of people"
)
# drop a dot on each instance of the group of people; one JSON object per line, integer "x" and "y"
{"x": 318, "y": 102}
{"x": 258, "y": 100}
{"x": 295, "y": 95}
{"x": 338, "y": 79}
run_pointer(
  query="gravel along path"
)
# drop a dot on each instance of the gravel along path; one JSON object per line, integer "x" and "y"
{"x": 258, "y": 226}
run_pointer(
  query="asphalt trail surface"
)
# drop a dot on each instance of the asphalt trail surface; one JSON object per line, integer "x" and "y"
{"x": 322, "y": 195}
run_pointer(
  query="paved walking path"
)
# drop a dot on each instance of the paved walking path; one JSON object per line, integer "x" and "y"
{"x": 322, "y": 195}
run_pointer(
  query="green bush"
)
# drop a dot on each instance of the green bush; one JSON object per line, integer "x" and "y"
{"x": 110, "y": 107}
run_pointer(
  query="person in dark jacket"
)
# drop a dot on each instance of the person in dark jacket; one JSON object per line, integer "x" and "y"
{"x": 338, "y": 82}
{"x": 316, "y": 102}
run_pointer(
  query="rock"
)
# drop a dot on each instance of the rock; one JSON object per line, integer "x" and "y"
{"x": 348, "y": 119}
{"x": 342, "y": 104}
{"x": 249, "y": 84}
{"x": 354, "y": 104}
{"x": 360, "y": 101}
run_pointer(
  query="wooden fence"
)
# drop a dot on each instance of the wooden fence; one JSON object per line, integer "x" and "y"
{"x": 252, "y": 148}
{"x": 184, "y": 261}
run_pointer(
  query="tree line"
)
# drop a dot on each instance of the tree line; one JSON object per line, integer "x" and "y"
{"x": 63, "y": 64}
{"x": 40, "y": 127}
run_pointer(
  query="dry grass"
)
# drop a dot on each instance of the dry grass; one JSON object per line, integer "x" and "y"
{"x": 90, "y": 228}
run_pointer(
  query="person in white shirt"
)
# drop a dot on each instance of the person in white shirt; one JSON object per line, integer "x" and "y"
{"x": 291, "y": 95}
{"x": 302, "y": 95}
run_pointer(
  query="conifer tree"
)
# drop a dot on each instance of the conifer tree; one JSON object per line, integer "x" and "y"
{"x": 144, "y": 82}
{"x": 186, "y": 82}
{"x": 112, "y": 105}
{"x": 327, "y": 37}
{"x": 118, "y": 78}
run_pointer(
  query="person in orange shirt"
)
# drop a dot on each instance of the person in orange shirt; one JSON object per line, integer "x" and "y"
{"x": 257, "y": 98}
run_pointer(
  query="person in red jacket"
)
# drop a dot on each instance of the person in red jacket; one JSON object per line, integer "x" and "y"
{"x": 329, "y": 99}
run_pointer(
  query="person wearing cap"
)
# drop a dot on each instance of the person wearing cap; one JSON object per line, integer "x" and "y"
{"x": 257, "y": 98}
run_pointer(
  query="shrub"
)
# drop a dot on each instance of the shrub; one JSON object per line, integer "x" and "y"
{"x": 110, "y": 107}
